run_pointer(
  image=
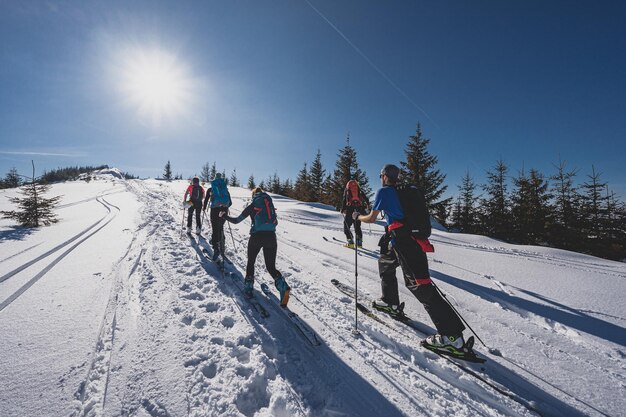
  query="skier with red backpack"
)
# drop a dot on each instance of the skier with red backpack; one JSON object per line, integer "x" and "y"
{"x": 220, "y": 200}
{"x": 195, "y": 192}
{"x": 354, "y": 201}
{"x": 405, "y": 244}
{"x": 262, "y": 236}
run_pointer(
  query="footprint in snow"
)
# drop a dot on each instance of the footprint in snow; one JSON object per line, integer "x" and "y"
{"x": 200, "y": 324}
{"x": 194, "y": 296}
{"x": 209, "y": 371}
{"x": 211, "y": 307}
{"x": 228, "y": 322}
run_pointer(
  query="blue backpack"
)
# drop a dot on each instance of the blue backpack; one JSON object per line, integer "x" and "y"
{"x": 265, "y": 218}
{"x": 220, "y": 197}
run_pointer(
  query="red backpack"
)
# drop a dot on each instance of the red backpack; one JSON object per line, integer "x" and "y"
{"x": 353, "y": 194}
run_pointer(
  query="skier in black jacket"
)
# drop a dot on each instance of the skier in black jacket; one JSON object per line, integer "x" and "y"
{"x": 262, "y": 236}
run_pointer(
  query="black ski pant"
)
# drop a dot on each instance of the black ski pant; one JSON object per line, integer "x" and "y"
{"x": 267, "y": 242}
{"x": 407, "y": 254}
{"x": 197, "y": 207}
{"x": 217, "y": 229}
{"x": 348, "y": 221}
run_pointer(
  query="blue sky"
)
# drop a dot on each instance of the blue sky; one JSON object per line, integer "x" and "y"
{"x": 260, "y": 86}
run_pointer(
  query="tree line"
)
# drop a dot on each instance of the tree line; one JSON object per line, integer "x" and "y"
{"x": 13, "y": 179}
{"x": 533, "y": 208}
{"x": 527, "y": 208}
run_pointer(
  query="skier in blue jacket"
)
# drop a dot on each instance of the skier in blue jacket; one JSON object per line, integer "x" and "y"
{"x": 400, "y": 248}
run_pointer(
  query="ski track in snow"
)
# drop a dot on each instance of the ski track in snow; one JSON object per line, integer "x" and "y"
{"x": 177, "y": 339}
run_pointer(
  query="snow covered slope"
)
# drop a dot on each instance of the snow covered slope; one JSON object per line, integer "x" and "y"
{"x": 111, "y": 312}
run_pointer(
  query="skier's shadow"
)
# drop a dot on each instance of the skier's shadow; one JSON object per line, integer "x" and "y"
{"x": 557, "y": 312}
{"x": 322, "y": 380}
{"x": 16, "y": 233}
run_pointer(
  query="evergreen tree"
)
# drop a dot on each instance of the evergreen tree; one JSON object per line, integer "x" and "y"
{"x": 274, "y": 184}
{"x": 234, "y": 182}
{"x": 212, "y": 172}
{"x": 302, "y": 186}
{"x": 317, "y": 174}
{"x": 205, "y": 173}
{"x": 12, "y": 179}
{"x": 455, "y": 216}
{"x": 327, "y": 190}
{"x": 530, "y": 208}
{"x": 593, "y": 211}
{"x": 167, "y": 174}
{"x": 565, "y": 229}
{"x": 251, "y": 183}
{"x": 614, "y": 246}
{"x": 420, "y": 170}
{"x": 494, "y": 208}
{"x": 467, "y": 220}
{"x": 286, "y": 188}
{"x": 34, "y": 209}
{"x": 346, "y": 169}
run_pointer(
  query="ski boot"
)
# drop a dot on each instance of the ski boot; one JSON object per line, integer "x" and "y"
{"x": 283, "y": 288}
{"x": 359, "y": 242}
{"x": 248, "y": 284}
{"x": 198, "y": 230}
{"x": 450, "y": 344}
{"x": 453, "y": 346}
{"x": 189, "y": 230}
{"x": 350, "y": 244}
{"x": 395, "y": 311}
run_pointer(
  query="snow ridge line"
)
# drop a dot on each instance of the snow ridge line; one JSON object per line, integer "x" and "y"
{"x": 51, "y": 265}
{"x": 59, "y": 246}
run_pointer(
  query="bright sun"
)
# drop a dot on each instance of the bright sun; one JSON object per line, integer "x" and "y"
{"x": 156, "y": 84}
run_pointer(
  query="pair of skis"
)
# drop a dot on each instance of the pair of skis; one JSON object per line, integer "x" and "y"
{"x": 468, "y": 352}
{"x": 299, "y": 325}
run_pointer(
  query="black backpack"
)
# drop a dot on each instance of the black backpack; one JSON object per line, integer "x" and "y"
{"x": 416, "y": 216}
{"x": 196, "y": 194}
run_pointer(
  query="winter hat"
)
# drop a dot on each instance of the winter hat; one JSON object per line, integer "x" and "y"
{"x": 391, "y": 171}
{"x": 196, "y": 180}
{"x": 218, "y": 175}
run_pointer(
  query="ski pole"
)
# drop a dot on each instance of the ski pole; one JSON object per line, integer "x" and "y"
{"x": 460, "y": 316}
{"x": 231, "y": 235}
{"x": 183, "y": 222}
{"x": 355, "y": 332}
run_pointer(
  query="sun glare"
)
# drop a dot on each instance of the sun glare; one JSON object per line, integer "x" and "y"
{"x": 157, "y": 85}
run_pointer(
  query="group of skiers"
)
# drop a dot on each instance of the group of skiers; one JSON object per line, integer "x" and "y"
{"x": 262, "y": 233}
{"x": 404, "y": 244}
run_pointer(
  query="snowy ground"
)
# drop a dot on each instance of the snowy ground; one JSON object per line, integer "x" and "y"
{"x": 110, "y": 312}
